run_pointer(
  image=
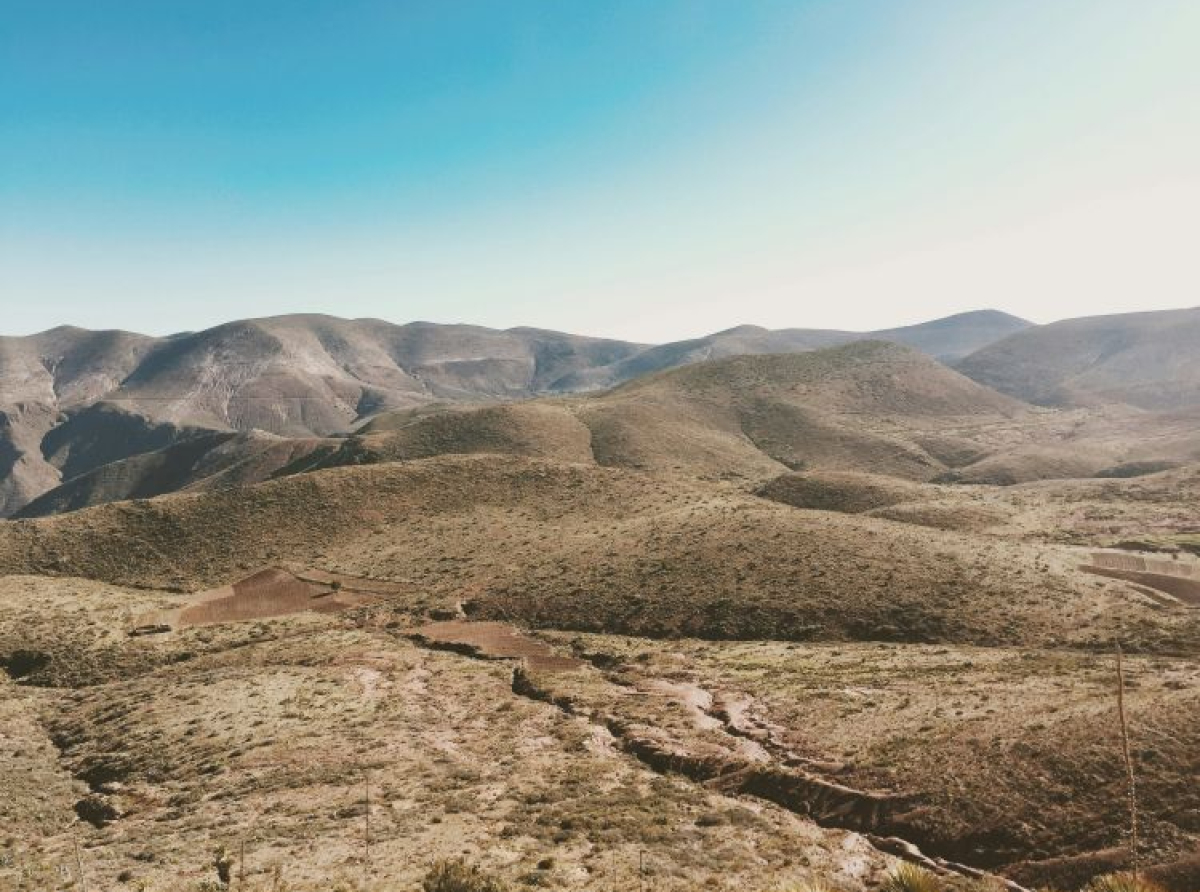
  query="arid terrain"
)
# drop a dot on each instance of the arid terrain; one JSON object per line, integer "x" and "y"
{"x": 313, "y": 604}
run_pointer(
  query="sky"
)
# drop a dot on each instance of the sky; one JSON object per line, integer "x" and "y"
{"x": 641, "y": 170}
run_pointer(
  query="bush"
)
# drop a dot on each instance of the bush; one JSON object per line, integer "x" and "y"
{"x": 912, "y": 878}
{"x": 1122, "y": 882}
{"x": 459, "y": 876}
{"x": 810, "y": 886}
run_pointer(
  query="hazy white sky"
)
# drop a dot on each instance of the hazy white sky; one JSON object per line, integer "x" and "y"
{"x": 649, "y": 172}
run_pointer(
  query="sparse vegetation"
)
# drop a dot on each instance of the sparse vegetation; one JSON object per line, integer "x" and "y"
{"x": 459, "y": 876}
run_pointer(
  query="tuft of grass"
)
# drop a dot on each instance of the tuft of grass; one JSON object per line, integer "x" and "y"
{"x": 908, "y": 877}
{"x": 456, "y": 875}
{"x": 807, "y": 886}
{"x": 1123, "y": 882}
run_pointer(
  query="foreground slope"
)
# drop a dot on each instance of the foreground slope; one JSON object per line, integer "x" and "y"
{"x": 271, "y": 740}
{"x": 874, "y": 661}
{"x": 1004, "y": 758}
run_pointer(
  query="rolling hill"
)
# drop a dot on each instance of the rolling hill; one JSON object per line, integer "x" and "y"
{"x": 1147, "y": 360}
{"x": 944, "y": 339}
{"x": 853, "y": 406}
{"x": 859, "y": 406}
{"x": 599, "y": 549}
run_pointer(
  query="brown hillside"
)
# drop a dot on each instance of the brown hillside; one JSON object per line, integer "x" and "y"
{"x": 846, "y": 408}
{"x": 200, "y": 462}
{"x": 1148, "y": 360}
{"x": 846, "y": 493}
{"x": 538, "y": 429}
{"x": 571, "y": 546}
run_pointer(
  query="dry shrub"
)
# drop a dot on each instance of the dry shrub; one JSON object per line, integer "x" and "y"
{"x": 907, "y": 877}
{"x": 1123, "y": 882}
{"x": 456, "y": 875}
{"x": 807, "y": 886}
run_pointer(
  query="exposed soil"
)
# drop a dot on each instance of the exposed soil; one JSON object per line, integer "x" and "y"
{"x": 494, "y": 641}
{"x": 271, "y": 592}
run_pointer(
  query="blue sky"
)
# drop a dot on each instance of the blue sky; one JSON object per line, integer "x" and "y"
{"x": 648, "y": 170}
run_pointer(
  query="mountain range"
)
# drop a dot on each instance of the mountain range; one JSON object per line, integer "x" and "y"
{"x": 89, "y": 416}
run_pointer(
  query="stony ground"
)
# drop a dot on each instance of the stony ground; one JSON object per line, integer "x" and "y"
{"x": 275, "y": 736}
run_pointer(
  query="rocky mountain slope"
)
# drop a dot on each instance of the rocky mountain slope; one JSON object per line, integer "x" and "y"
{"x": 863, "y": 406}
{"x": 311, "y": 376}
{"x": 866, "y": 407}
{"x": 297, "y": 376}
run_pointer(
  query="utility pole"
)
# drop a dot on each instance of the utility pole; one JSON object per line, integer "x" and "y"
{"x": 1130, "y": 783}
{"x": 367, "y": 822}
{"x": 79, "y": 863}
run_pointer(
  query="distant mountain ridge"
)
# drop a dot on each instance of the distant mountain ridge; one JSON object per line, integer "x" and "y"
{"x": 1147, "y": 360}
{"x": 867, "y": 405}
{"x": 946, "y": 340}
{"x": 73, "y": 400}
